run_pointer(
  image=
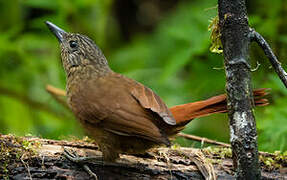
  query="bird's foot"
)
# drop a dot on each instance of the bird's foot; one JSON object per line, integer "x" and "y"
{"x": 82, "y": 160}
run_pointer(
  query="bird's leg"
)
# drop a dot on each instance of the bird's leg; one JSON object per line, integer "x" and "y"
{"x": 98, "y": 160}
{"x": 81, "y": 160}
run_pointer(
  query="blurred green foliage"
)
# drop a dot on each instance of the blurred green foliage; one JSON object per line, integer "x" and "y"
{"x": 168, "y": 51}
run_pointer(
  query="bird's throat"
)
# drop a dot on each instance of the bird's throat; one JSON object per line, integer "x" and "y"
{"x": 87, "y": 71}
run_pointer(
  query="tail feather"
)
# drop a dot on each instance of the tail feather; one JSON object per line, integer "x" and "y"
{"x": 217, "y": 104}
{"x": 184, "y": 113}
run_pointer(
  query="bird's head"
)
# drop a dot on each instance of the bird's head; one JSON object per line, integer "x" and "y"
{"x": 78, "y": 51}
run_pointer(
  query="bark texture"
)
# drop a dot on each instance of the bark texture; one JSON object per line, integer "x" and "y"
{"x": 233, "y": 22}
{"x": 35, "y": 158}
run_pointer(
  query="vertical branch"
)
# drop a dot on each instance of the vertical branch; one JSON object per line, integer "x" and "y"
{"x": 235, "y": 39}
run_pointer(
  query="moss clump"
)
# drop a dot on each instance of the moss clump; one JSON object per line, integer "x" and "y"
{"x": 218, "y": 152}
{"x": 216, "y": 45}
{"x": 274, "y": 161}
{"x": 175, "y": 147}
{"x": 268, "y": 161}
{"x": 14, "y": 149}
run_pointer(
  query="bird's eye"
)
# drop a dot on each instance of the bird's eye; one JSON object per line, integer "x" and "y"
{"x": 73, "y": 44}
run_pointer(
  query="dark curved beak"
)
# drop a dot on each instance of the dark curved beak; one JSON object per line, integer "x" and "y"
{"x": 58, "y": 32}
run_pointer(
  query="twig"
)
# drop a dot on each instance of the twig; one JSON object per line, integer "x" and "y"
{"x": 57, "y": 94}
{"x": 210, "y": 141}
{"x": 205, "y": 167}
{"x": 255, "y": 36}
{"x": 211, "y": 8}
{"x": 202, "y": 139}
{"x": 26, "y": 166}
{"x": 30, "y": 102}
{"x": 55, "y": 91}
{"x": 257, "y": 67}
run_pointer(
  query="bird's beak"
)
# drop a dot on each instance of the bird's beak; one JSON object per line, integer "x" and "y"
{"x": 58, "y": 32}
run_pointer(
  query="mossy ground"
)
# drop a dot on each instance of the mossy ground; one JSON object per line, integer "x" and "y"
{"x": 14, "y": 150}
{"x": 268, "y": 161}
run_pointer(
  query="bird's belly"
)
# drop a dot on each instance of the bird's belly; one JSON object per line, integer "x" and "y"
{"x": 109, "y": 141}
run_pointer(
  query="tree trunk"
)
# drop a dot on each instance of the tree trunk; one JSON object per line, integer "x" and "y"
{"x": 233, "y": 22}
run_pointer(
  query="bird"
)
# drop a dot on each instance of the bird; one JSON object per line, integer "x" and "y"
{"x": 122, "y": 115}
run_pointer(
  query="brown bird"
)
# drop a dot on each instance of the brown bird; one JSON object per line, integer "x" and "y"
{"x": 122, "y": 115}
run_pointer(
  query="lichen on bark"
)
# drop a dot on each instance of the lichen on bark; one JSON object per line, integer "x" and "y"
{"x": 234, "y": 28}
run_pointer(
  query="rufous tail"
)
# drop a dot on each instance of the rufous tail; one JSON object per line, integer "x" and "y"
{"x": 184, "y": 113}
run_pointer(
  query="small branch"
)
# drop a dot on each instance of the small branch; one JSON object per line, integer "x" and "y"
{"x": 55, "y": 91}
{"x": 202, "y": 139}
{"x": 255, "y": 36}
{"x": 30, "y": 102}
{"x": 210, "y": 141}
{"x": 26, "y": 167}
{"x": 204, "y": 166}
{"x": 57, "y": 94}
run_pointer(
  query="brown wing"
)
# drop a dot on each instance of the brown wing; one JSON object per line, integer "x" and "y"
{"x": 151, "y": 101}
{"x": 127, "y": 113}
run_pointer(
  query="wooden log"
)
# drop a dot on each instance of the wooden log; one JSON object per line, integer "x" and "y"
{"x": 36, "y": 158}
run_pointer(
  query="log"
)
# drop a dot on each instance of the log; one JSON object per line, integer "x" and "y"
{"x": 36, "y": 158}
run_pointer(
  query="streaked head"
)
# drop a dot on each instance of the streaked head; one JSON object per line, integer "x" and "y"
{"x": 78, "y": 50}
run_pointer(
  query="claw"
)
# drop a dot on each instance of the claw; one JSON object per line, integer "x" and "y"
{"x": 80, "y": 160}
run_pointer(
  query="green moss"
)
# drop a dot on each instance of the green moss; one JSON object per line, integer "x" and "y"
{"x": 269, "y": 162}
{"x": 13, "y": 149}
{"x": 274, "y": 161}
{"x": 218, "y": 152}
{"x": 175, "y": 146}
{"x": 216, "y": 46}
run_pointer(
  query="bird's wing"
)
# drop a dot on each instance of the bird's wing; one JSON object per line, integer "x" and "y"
{"x": 129, "y": 122}
{"x": 130, "y": 109}
{"x": 151, "y": 101}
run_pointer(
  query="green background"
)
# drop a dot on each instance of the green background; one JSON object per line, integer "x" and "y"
{"x": 162, "y": 44}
